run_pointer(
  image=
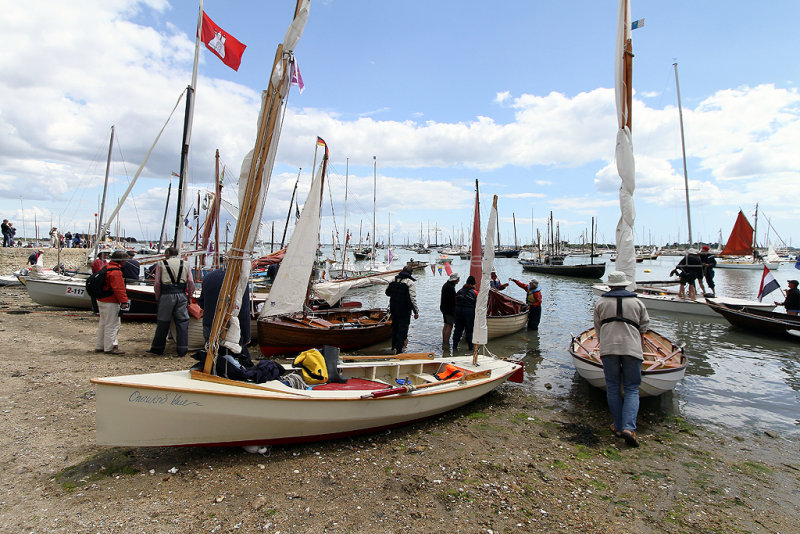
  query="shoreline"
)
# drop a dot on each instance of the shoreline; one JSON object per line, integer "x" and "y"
{"x": 509, "y": 462}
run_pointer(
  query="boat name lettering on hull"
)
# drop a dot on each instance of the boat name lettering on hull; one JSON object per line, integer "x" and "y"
{"x": 173, "y": 399}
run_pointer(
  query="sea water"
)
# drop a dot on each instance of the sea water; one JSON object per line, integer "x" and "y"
{"x": 735, "y": 378}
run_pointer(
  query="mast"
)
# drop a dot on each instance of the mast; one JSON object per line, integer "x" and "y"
{"x": 514, "y": 218}
{"x": 164, "y": 221}
{"x": 755, "y": 232}
{"x": 623, "y": 84}
{"x": 291, "y": 202}
{"x": 591, "y": 249}
{"x": 683, "y": 150}
{"x": 253, "y": 185}
{"x": 105, "y": 190}
{"x": 374, "y": 203}
{"x": 187, "y": 134}
{"x": 218, "y": 205}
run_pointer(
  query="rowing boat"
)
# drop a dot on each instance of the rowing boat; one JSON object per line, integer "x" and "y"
{"x": 663, "y": 367}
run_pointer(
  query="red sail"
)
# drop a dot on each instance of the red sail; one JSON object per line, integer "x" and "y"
{"x": 477, "y": 249}
{"x": 740, "y": 243}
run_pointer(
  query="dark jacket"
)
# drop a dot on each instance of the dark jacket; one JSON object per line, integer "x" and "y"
{"x": 209, "y": 294}
{"x": 466, "y": 297}
{"x": 447, "y": 304}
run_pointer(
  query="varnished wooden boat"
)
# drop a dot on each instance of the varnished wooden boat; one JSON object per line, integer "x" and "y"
{"x": 766, "y": 323}
{"x": 664, "y": 362}
{"x": 346, "y": 329}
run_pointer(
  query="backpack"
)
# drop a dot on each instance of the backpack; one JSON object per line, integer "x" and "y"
{"x": 95, "y": 284}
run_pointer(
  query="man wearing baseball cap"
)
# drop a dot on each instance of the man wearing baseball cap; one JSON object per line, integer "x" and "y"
{"x": 792, "y": 300}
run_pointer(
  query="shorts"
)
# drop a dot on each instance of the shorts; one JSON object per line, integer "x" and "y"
{"x": 449, "y": 318}
{"x": 687, "y": 278}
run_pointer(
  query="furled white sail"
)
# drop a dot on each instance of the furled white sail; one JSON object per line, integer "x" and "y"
{"x": 626, "y": 253}
{"x": 480, "y": 332}
{"x": 288, "y": 293}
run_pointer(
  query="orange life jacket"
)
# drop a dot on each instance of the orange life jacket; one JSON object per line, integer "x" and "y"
{"x": 450, "y": 371}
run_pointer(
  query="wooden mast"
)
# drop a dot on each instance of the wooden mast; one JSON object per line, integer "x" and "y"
{"x": 266, "y": 132}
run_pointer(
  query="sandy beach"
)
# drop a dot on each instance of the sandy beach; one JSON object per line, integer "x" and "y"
{"x": 510, "y": 462}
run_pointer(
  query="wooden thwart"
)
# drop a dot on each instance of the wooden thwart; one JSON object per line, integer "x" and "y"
{"x": 403, "y": 356}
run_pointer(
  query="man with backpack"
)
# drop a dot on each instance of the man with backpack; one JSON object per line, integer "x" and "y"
{"x": 173, "y": 284}
{"x": 402, "y": 293}
{"x": 110, "y": 301}
{"x": 99, "y": 262}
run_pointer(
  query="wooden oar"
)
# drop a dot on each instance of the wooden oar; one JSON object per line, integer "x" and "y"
{"x": 409, "y": 389}
{"x": 575, "y": 339}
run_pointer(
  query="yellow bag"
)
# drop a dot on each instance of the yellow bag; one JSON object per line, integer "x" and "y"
{"x": 315, "y": 371}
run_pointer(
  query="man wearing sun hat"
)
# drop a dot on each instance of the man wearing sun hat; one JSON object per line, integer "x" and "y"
{"x": 620, "y": 320}
{"x": 447, "y": 305}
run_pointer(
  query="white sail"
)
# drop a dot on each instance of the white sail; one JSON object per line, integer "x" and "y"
{"x": 626, "y": 254}
{"x": 288, "y": 293}
{"x": 480, "y": 332}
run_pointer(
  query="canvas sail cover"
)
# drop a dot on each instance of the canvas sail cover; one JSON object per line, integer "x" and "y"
{"x": 626, "y": 253}
{"x": 288, "y": 293}
{"x": 740, "y": 242}
{"x": 480, "y": 332}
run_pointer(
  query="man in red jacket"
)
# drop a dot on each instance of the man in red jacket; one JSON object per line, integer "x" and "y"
{"x": 110, "y": 306}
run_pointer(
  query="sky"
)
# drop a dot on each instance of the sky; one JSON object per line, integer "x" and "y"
{"x": 517, "y": 95}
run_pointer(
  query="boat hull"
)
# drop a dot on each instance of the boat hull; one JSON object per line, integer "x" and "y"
{"x": 172, "y": 408}
{"x": 762, "y": 322}
{"x": 664, "y": 300}
{"x": 594, "y": 270}
{"x": 59, "y": 293}
{"x": 347, "y": 330}
{"x": 721, "y": 264}
{"x": 655, "y": 380}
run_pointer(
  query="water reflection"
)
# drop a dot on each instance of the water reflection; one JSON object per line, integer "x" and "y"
{"x": 734, "y": 379}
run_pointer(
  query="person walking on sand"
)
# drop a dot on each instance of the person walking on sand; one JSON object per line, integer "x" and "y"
{"x": 621, "y": 320}
{"x": 172, "y": 285}
{"x": 447, "y": 305}
{"x": 110, "y": 306}
{"x": 402, "y": 293}
{"x": 466, "y": 298}
{"x": 534, "y": 300}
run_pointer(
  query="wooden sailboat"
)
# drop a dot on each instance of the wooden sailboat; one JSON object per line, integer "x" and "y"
{"x": 555, "y": 265}
{"x": 766, "y": 323}
{"x": 199, "y": 408}
{"x": 504, "y": 314}
{"x": 740, "y": 250}
{"x": 286, "y": 325}
{"x": 667, "y": 362}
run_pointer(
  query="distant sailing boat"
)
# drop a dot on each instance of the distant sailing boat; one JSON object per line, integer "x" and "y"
{"x": 742, "y": 245}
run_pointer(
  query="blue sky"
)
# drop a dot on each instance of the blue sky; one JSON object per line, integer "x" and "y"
{"x": 518, "y": 95}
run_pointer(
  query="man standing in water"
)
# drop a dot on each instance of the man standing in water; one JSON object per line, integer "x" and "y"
{"x": 621, "y": 320}
{"x": 402, "y": 293}
{"x": 447, "y": 305}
